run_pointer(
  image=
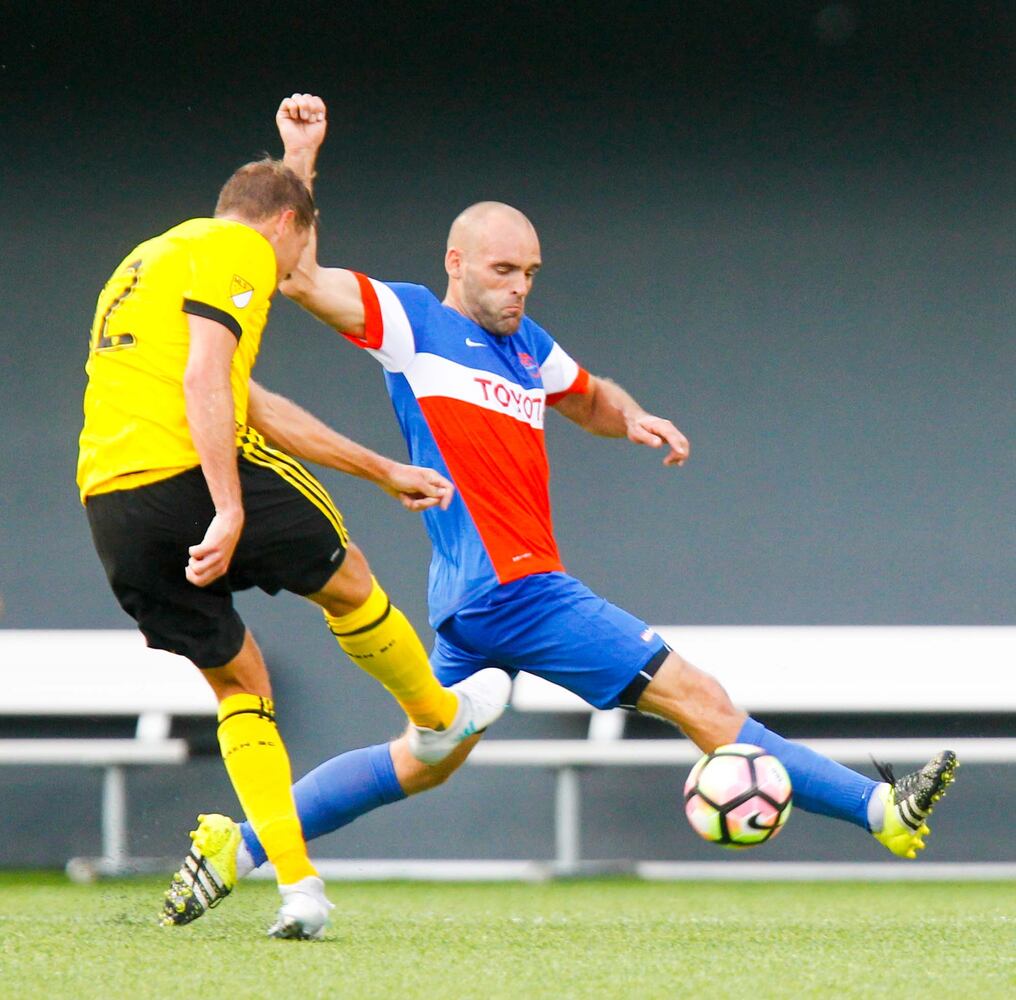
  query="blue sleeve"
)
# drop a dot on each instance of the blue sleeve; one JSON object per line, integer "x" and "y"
{"x": 541, "y": 343}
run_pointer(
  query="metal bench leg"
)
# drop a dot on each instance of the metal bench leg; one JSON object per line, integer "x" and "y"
{"x": 567, "y": 820}
{"x": 114, "y": 817}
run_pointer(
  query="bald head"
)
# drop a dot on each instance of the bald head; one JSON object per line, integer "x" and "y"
{"x": 477, "y": 223}
{"x": 493, "y": 253}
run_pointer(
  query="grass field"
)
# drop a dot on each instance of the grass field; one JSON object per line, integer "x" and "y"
{"x": 597, "y": 938}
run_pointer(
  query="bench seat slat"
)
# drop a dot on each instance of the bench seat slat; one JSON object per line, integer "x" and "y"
{"x": 92, "y": 753}
{"x": 96, "y": 672}
{"x": 633, "y": 753}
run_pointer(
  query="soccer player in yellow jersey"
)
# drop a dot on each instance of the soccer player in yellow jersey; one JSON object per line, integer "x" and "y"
{"x": 189, "y": 498}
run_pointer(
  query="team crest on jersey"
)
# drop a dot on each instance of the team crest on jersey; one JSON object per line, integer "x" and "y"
{"x": 240, "y": 291}
{"x": 527, "y": 362}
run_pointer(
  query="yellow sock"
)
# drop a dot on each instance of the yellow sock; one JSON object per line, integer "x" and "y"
{"x": 258, "y": 765}
{"x": 380, "y": 640}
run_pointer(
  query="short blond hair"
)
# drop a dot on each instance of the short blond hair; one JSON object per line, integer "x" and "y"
{"x": 263, "y": 188}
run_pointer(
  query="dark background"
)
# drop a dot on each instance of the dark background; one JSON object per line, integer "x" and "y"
{"x": 787, "y": 226}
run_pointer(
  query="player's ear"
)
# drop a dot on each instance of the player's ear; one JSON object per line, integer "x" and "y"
{"x": 453, "y": 262}
{"x": 286, "y": 221}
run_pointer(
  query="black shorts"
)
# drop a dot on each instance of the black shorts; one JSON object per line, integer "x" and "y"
{"x": 293, "y": 539}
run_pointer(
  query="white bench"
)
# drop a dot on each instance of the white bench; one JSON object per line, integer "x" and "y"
{"x": 886, "y": 672}
{"x": 99, "y": 673}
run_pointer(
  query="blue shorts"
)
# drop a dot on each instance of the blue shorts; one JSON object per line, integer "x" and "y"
{"x": 551, "y": 625}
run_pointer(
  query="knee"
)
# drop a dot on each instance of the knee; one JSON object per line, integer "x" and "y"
{"x": 246, "y": 673}
{"x": 679, "y": 683}
{"x": 350, "y": 587}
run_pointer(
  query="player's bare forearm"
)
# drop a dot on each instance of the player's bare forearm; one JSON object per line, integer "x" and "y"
{"x": 291, "y": 428}
{"x": 208, "y": 398}
{"x": 604, "y": 409}
{"x": 212, "y": 427}
{"x": 331, "y": 294}
{"x": 211, "y": 422}
{"x": 302, "y": 122}
{"x": 609, "y": 411}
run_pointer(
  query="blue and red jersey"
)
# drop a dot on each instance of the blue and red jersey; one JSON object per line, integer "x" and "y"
{"x": 471, "y": 404}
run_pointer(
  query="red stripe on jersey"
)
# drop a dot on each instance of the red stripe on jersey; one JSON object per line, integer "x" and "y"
{"x": 499, "y": 466}
{"x": 373, "y": 326}
{"x": 580, "y": 385}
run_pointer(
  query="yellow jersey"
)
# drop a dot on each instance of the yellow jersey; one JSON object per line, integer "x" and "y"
{"x": 135, "y": 430}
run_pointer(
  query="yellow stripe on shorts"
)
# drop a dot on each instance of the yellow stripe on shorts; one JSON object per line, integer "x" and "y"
{"x": 297, "y": 476}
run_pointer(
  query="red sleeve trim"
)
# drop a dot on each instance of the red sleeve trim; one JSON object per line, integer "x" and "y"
{"x": 373, "y": 324}
{"x": 580, "y": 386}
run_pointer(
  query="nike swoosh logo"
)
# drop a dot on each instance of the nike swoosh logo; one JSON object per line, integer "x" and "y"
{"x": 753, "y": 822}
{"x": 474, "y": 343}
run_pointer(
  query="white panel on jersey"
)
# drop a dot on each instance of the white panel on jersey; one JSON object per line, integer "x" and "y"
{"x": 559, "y": 371}
{"x": 432, "y": 375}
{"x": 398, "y": 346}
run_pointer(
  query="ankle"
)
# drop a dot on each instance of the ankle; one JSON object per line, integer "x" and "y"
{"x": 244, "y": 860}
{"x": 876, "y": 808}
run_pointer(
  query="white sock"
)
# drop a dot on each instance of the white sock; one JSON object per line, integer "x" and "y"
{"x": 876, "y": 809}
{"x": 244, "y": 862}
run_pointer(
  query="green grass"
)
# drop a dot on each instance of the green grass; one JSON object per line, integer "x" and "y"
{"x": 598, "y": 938}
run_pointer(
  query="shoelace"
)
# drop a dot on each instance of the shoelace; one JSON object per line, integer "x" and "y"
{"x": 885, "y": 772}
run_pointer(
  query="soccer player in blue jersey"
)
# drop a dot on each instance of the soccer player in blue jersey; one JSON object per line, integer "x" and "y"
{"x": 471, "y": 378}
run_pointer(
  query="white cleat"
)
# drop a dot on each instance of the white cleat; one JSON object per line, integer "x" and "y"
{"x": 303, "y": 915}
{"x": 482, "y": 699}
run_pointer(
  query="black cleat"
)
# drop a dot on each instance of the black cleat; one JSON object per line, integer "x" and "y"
{"x": 208, "y": 873}
{"x": 909, "y": 801}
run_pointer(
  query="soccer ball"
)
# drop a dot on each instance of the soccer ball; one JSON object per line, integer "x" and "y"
{"x": 737, "y": 796}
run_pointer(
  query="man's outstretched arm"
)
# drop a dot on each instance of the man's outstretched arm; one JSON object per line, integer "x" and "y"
{"x": 297, "y": 432}
{"x": 332, "y": 294}
{"x": 607, "y": 410}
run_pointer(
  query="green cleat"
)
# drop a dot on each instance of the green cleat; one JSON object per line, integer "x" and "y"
{"x": 908, "y": 801}
{"x": 208, "y": 873}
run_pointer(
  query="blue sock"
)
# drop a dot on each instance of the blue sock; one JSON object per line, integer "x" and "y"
{"x": 338, "y": 791}
{"x": 820, "y": 784}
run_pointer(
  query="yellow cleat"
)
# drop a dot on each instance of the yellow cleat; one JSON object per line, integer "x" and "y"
{"x": 908, "y": 801}
{"x": 208, "y": 873}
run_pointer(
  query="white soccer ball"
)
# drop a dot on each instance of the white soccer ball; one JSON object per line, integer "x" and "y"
{"x": 737, "y": 796}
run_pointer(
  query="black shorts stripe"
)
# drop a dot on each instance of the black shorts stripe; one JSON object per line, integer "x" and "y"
{"x": 323, "y": 503}
{"x": 629, "y": 697}
{"x": 206, "y": 311}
